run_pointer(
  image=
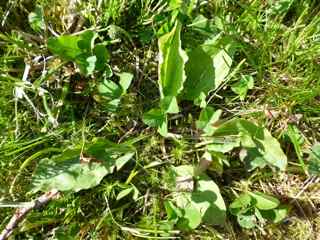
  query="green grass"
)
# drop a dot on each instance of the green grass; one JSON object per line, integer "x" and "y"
{"x": 275, "y": 42}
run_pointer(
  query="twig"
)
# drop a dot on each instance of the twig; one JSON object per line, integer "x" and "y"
{"x": 21, "y": 213}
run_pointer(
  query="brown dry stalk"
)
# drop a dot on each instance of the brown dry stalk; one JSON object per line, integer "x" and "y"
{"x": 21, "y": 213}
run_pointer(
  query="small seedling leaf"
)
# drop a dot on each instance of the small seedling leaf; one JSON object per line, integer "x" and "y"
{"x": 241, "y": 88}
{"x": 154, "y": 118}
{"x": 275, "y": 215}
{"x": 264, "y": 201}
{"x": 207, "y": 118}
{"x": 172, "y": 211}
{"x": 125, "y": 81}
{"x": 240, "y": 204}
{"x": 124, "y": 193}
{"x": 247, "y": 221}
{"x": 36, "y": 19}
{"x": 109, "y": 89}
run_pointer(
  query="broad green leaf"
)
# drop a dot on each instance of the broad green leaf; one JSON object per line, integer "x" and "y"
{"x": 89, "y": 65}
{"x": 276, "y": 215}
{"x": 121, "y": 161}
{"x": 229, "y": 128}
{"x": 271, "y": 150}
{"x": 82, "y": 50}
{"x": 252, "y": 158}
{"x": 171, "y": 78}
{"x": 112, "y": 105}
{"x": 207, "y": 68}
{"x": 65, "y": 46}
{"x": 191, "y": 218}
{"x": 264, "y": 201}
{"x": 314, "y": 160}
{"x": 163, "y": 128}
{"x": 86, "y": 41}
{"x": 222, "y": 63}
{"x": 172, "y": 211}
{"x": 203, "y": 25}
{"x": 102, "y": 55}
{"x": 112, "y": 92}
{"x": 200, "y": 74}
{"x": 124, "y": 193}
{"x": 175, "y": 4}
{"x": 241, "y": 204}
{"x": 86, "y": 63}
{"x": 169, "y": 104}
{"x": 254, "y": 138}
{"x": 171, "y": 63}
{"x": 221, "y": 50}
{"x": 69, "y": 172}
{"x": 109, "y": 89}
{"x": 103, "y": 148}
{"x": 200, "y": 100}
{"x": 241, "y": 88}
{"x": 208, "y": 117}
{"x": 69, "y": 175}
{"x": 125, "y": 81}
{"x": 206, "y": 198}
{"x": 154, "y": 118}
{"x": 183, "y": 6}
{"x": 36, "y": 19}
{"x": 225, "y": 145}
